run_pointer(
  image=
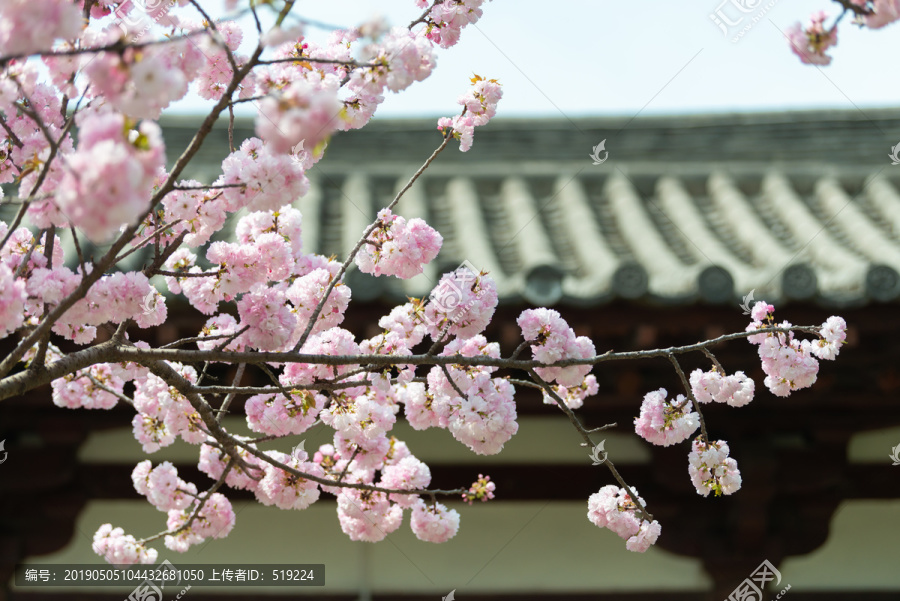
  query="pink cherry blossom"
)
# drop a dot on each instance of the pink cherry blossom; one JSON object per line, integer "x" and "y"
{"x": 711, "y": 469}
{"x": 83, "y": 389}
{"x": 447, "y": 18}
{"x": 334, "y": 341}
{"x": 162, "y": 486}
{"x": 480, "y": 490}
{"x": 305, "y": 294}
{"x": 402, "y": 58}
{"x": 273, "y": 414}
{"x": 611, "y": 507}
{"x": 484, "y": 419}
{"x": 574, "y": 396}
{"x": 108, "y": 179}
{"x": 269, "y": 179}
{"x": 553, "y": 340}
{"x": 407, "y": 473}
{"x": 306, "y": 110}
{"x": 118, "y": 548}
{"x": 833, "y": 336}
{"x": 215, "y": 520}
{"x": 270, "y": 320}
{"x": 285, "y": 221}
{"x": 461, "y": 305}
{"x": 28, "y": 26}
{"x": 433, "y": 523}
{"x": 480, "y": 107}
{"x": 397, "y": 247}
{"x": 284, "y": 490}
{"x": 885, "y": 13}
{"x": 810, "y": 44}
{"x": 366, "y": 515}
{"x": 213, "y": 461}
{"x": 665, "y": 422}
{"x": 12, "y": 301}
{"x": 737, "y": 389}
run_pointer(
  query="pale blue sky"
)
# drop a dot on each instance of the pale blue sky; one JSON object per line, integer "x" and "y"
{"x": 598, "y": 57}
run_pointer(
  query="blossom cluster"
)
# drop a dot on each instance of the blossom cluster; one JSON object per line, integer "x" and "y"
{"x": 108, "y": 179}
{"x": 573, "y": 396}
{"x": 480, "y": 106}
{"x": 791, "y": 364}
{"x": 811, "y": 43}
{"x": 712, "y": 386}
{"x": 447, "y": 18}
{"x": 475, "y": 407}
{"x": 118, "y": 548}
{"x": 398, "y": 247}
{"x": 612, "y": 507}
{"x": 553, "y": 340}
{"x": 461, "y": 305}
{"x": 665, "y": 422}
{"x": 711, "y": 469}
{"x": 481, "y": 490}
{"x": 32, "y": 26}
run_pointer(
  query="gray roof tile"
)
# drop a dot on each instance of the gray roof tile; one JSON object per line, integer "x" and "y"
{"x": 687, "y": 209}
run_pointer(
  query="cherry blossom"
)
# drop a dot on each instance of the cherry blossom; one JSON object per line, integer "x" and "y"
{"x": 790, "y": 364}
{"x": 213, "y": 462}
{"x": 12, "y": 301}
{"x": 162, "y": 486}
{"x": 885, "y": 12}
{"x": 612, "y": 507}
{"x": 811, "y": 43}
{"x": 267, "y": 178}
{"x": 711, "y": 469}
{"x": 480, "y": 490}
{"x": 215, "y": 520}
{"x": 108, "y": 179}
{"x": 480, "y": 106}
{"x": 306, "y": 110}
{"x": 28, "y": 26}
{"x": 284, "y": 490}
{"x": 397, "y": 247}
{"x": 461, "y": 305}
{"x": 118, "y": 548}
{"x": 665, "y": 422}
{"x": 737, "y": 389}
{"x": 367, "y": 515}
{"x": 433, "y": 523}
{"x": 553, "y": 340}
{"x": 447, "y": 18}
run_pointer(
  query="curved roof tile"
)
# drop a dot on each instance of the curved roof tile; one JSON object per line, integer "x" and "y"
{"x": 686, "y": 209}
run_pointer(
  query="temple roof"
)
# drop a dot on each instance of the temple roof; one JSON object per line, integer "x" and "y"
{"x": 795, "y": 206}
